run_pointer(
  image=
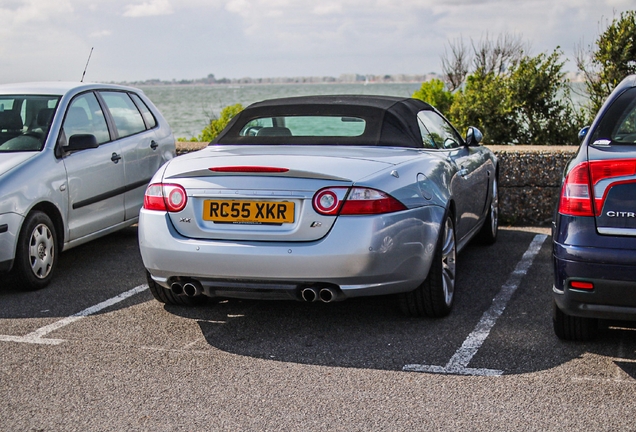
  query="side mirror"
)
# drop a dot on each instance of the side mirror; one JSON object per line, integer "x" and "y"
{"x": 81, "y": 142}
{"x": 473, "y": 136}
{"x": 583, "y": 133}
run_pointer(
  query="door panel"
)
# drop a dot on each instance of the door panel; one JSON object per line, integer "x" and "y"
{"x": 95, "y": 176}
{"x": 140, "y": 150}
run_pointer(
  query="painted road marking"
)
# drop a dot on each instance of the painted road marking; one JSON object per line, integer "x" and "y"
{"x": 37, "y": 336}
{"x": 457, "y": 365}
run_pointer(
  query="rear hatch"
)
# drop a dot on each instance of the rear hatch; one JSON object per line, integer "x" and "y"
{"x": 265, "y": 193}
{"x": 613, "y": 176}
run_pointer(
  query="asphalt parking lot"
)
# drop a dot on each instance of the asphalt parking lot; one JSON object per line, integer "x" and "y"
{"x": 94, "y": 351}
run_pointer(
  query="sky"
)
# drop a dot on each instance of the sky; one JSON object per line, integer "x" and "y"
{"x": 136, "y": 40}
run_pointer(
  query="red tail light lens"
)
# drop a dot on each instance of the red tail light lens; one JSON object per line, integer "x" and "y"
{"x": 607, "y": 169}
{"x": 576, "y": 199}
{"x": 370, "y": 201}
{"x": 165, "y": 197}
{"x": 359, "y": 201}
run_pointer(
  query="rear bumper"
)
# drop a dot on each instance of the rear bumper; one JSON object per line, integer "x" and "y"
{"x": 362, "y": 255}
{"x": 614, "y": 292}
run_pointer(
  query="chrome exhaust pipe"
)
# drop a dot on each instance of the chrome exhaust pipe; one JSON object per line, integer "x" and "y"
{"x": 328, "y": 295}
{"x": 176, "y": 288}
{"x": 309, "y": 294}
{"x": 192, "y": 289}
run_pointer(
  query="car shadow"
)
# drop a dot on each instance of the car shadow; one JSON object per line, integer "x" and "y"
{"x": 85, "y": 275}
{"x": 372, "y": 333}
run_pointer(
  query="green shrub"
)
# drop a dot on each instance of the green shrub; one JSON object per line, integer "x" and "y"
{"x": 217, "y": 125}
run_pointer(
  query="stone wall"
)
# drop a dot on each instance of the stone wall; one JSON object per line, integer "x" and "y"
{"x": 529, "y": 180}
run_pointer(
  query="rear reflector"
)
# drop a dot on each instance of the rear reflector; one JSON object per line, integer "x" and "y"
{"x": 248, "y": 169}
{"x": 581, "y": 285}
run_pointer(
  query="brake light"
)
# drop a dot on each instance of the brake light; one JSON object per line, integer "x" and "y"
{"x": 576, "y": 199}
{"x": 165, "y": 197}
{"x": 359, "y": 201}
{"x": 248, "y": 169}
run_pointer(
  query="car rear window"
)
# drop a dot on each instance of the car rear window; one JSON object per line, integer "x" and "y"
{"x": 305, "y": 126}
{"x": 618, "y": 125}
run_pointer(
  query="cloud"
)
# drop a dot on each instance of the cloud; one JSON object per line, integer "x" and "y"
{"x": 100, "y": 34}
{"x": 151, "y": 8}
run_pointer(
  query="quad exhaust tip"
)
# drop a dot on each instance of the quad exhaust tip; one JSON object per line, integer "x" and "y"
{"x": 326, "y": 294}
{"x": 189, "y": 288}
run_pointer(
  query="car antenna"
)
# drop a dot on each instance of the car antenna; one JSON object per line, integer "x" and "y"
{"x": 86, "y": 67}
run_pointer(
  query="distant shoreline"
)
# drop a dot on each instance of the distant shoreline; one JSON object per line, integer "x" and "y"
{"x": 342, "y": 79}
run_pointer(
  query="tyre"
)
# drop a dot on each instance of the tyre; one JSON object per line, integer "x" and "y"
{"x": 36, "y": 252}
{"x": 168, "y": 297}
{"x": 434, "y": 297}
{"x": 573, "y": 328}
{"x": 488, "y": 233}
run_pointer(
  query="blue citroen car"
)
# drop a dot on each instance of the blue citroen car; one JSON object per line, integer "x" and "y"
{"x": 594, "y": 231}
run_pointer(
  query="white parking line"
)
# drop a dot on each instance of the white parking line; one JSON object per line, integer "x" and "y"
{"x": 458, "y": 363}
{"x": 37, "y": 336}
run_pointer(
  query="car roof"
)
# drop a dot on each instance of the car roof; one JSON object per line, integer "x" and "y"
{"x": 390, "y": 120}
{"x": 56, "y": 87}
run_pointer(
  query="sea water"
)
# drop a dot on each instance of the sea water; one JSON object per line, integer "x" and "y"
{"x": 189, "y": 108}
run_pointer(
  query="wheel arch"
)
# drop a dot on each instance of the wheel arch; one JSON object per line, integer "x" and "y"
{"x": 52, "y": 212}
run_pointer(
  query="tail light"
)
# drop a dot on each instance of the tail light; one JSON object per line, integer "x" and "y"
{"x": 358, "y": 201}
{"x": 577, "y": 197}
{"x": 607, "y": 169}
{"x": 165, "y": 197}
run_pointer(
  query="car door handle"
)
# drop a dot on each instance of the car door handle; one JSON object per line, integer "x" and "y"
{"x": 115, "y": 157}
{"x": 154, "y": 145}
{"x": 463, "y": 172}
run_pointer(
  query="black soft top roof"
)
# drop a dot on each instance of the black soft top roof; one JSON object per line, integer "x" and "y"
{"x": 390, "y": 121}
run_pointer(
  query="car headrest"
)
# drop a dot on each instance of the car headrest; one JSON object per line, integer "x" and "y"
{"x": 10, "y": 120}
{"x": 44, "y": 117}
{"x": 274, "y": 131}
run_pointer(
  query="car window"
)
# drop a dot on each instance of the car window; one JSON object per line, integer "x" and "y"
{"x": 85, "y": 116}
{"x": 127, "y": 117}
{"x": 619, "y": 122}
{"x": 145, "y": 111}
{"x": 441, "y": 132}
{"x": 427, "y": 139}
{"x": 305, "y": 126}
{"x": 25, "y": 121}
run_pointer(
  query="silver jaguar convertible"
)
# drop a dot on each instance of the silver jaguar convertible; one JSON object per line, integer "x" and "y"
{"x": 321, "y": 198}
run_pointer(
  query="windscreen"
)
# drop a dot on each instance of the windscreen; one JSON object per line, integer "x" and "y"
{"x": 25, "y": 121}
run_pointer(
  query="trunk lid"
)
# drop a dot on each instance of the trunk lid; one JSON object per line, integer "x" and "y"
{"x": 266, "y": 205}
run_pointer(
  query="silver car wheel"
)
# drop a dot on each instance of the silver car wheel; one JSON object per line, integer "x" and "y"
{"x": 41, "y": 251}
{"x": 449, "y": 251}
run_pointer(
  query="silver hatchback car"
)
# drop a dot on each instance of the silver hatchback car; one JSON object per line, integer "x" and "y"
{"x": 75, "y": 160}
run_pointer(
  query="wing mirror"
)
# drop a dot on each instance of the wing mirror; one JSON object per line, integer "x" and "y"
{"x": 473, "y": 136}
{"x": 81, "y": 142}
